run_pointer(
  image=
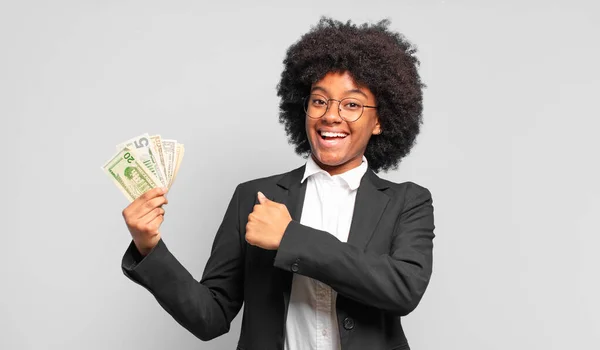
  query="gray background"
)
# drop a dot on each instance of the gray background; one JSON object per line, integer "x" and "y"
{"x": 508, "y": 149}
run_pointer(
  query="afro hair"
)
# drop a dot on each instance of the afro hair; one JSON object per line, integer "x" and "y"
{"x": 377, "y": 58}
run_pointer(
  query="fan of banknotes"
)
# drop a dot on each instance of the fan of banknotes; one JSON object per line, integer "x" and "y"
{"x": 143, "y": 163}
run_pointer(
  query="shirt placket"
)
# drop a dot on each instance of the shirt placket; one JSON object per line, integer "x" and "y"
{"x": 323, "y": 291}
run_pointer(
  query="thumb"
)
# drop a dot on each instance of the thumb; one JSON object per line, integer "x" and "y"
{"x": 261, "y": 198}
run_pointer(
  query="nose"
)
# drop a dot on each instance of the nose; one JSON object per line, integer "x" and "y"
{"x": 332, "y": 115}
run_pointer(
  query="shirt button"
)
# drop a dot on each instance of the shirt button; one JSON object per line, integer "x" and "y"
{"x": 295, "y": 267}
{"x": 348, "y": 323}
{"x": 324, "y": 332}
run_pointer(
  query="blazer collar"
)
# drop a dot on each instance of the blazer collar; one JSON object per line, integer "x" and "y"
{"x": 351, "y": 177}
{"x": 294, "y": 179}
{"x": 368, "y": 208}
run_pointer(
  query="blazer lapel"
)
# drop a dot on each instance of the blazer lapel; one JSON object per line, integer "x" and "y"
{"x": 368, "y": 208}
{"x": 292, "y": 195}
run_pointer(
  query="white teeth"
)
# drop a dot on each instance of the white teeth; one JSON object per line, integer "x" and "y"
{"x": 333, "y": 134}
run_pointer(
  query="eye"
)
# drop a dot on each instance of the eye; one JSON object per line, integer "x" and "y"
{"x": 318, "y": 101}
{"x": 352, "y": 105}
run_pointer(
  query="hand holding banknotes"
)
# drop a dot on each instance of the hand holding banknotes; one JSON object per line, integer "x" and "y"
{"x": 144, "y": 169}
{"x": 143, "y": 218}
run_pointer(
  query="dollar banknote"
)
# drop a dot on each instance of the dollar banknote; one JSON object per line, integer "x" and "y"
{"x": 180, "y": 151}
{"x": 147, "y": 154}
{"x": 144, "y": 162}
{"x": 156, "y": 141}
{"x": 169, "y": 151}
{"x": 131, "y": 177}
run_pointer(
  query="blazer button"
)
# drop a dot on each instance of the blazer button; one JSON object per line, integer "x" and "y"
{"x": 295, "y": 267}
{"x": 348, "y": 323}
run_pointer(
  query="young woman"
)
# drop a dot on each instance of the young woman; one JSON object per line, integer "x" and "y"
{"x": 329, "y": 255}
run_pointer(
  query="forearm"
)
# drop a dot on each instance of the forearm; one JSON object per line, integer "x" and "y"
{"x": 386, "y": 282}
{"x": 189, "y": 302}
{"x": 205, "y": 308}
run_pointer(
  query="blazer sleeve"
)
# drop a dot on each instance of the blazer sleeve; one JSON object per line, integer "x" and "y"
{"x": 393, "y": 282}
{"x": 205, "y": 308}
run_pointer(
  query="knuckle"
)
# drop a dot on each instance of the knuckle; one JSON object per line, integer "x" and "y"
{"x": 150, "y": 194}
{"x": 129, "y": 221}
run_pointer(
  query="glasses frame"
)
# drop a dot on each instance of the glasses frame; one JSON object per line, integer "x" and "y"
{"x": 305, "y": 106}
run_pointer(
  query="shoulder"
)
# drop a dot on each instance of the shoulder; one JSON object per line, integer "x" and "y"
{"x": 407, "y": 190}
{"x": 264, "y": 183}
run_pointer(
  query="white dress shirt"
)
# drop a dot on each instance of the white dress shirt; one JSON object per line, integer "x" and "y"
{"x": 311, "y": 322}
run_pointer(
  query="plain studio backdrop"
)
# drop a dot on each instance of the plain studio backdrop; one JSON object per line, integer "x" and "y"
{"x": 509, "y": 149}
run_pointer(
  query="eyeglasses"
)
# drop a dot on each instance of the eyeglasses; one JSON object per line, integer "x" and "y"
{"x": 349, "y": 109}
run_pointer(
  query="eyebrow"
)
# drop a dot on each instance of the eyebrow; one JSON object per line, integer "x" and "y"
{"x": 353, "y": 91}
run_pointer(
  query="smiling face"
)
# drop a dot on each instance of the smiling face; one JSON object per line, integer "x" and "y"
{"x": 337, "y": 145}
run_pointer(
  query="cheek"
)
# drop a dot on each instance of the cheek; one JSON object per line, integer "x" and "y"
{"x": 309, "y": 127}
{"x": 361, "y": 134}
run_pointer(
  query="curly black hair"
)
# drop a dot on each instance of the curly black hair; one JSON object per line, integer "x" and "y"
{"x": 377, "y": 58}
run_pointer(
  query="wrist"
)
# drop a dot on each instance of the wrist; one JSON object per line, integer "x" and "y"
{"x": 144, "y": 248}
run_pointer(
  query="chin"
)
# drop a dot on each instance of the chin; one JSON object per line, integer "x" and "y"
{"x": 331, "y": 160}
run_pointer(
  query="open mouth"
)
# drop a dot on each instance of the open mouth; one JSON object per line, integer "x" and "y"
{"x": 328, "y": 135}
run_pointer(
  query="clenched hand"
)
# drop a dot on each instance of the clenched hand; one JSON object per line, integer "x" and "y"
{"x": 267, "y": 223}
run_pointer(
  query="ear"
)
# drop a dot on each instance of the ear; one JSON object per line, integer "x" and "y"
{"x": 377, "y": 128}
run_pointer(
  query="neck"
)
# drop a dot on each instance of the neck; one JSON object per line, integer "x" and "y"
{"x": 340, "y": 168}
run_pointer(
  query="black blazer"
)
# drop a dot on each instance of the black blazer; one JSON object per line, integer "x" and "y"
{"x": 380, "y": 274}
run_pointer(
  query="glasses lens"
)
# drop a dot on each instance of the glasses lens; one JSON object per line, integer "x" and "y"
{"x": 315, "y": 106}
{"x": 351, "y": 109}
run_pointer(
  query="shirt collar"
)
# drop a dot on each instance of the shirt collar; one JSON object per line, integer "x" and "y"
{"x": 352, "y": 177}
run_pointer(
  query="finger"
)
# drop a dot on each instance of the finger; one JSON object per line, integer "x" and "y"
{"x": 155, "y": 223}
{"x": 262, "y": 199}
{"x": 151, "y": 205}
{"x": 153, "y": 193}
{"x": 251, "y": 217}
{"x": 148, "y": 195}
{"x": 249, "y": 236}
{"x": 152, "y": 215}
